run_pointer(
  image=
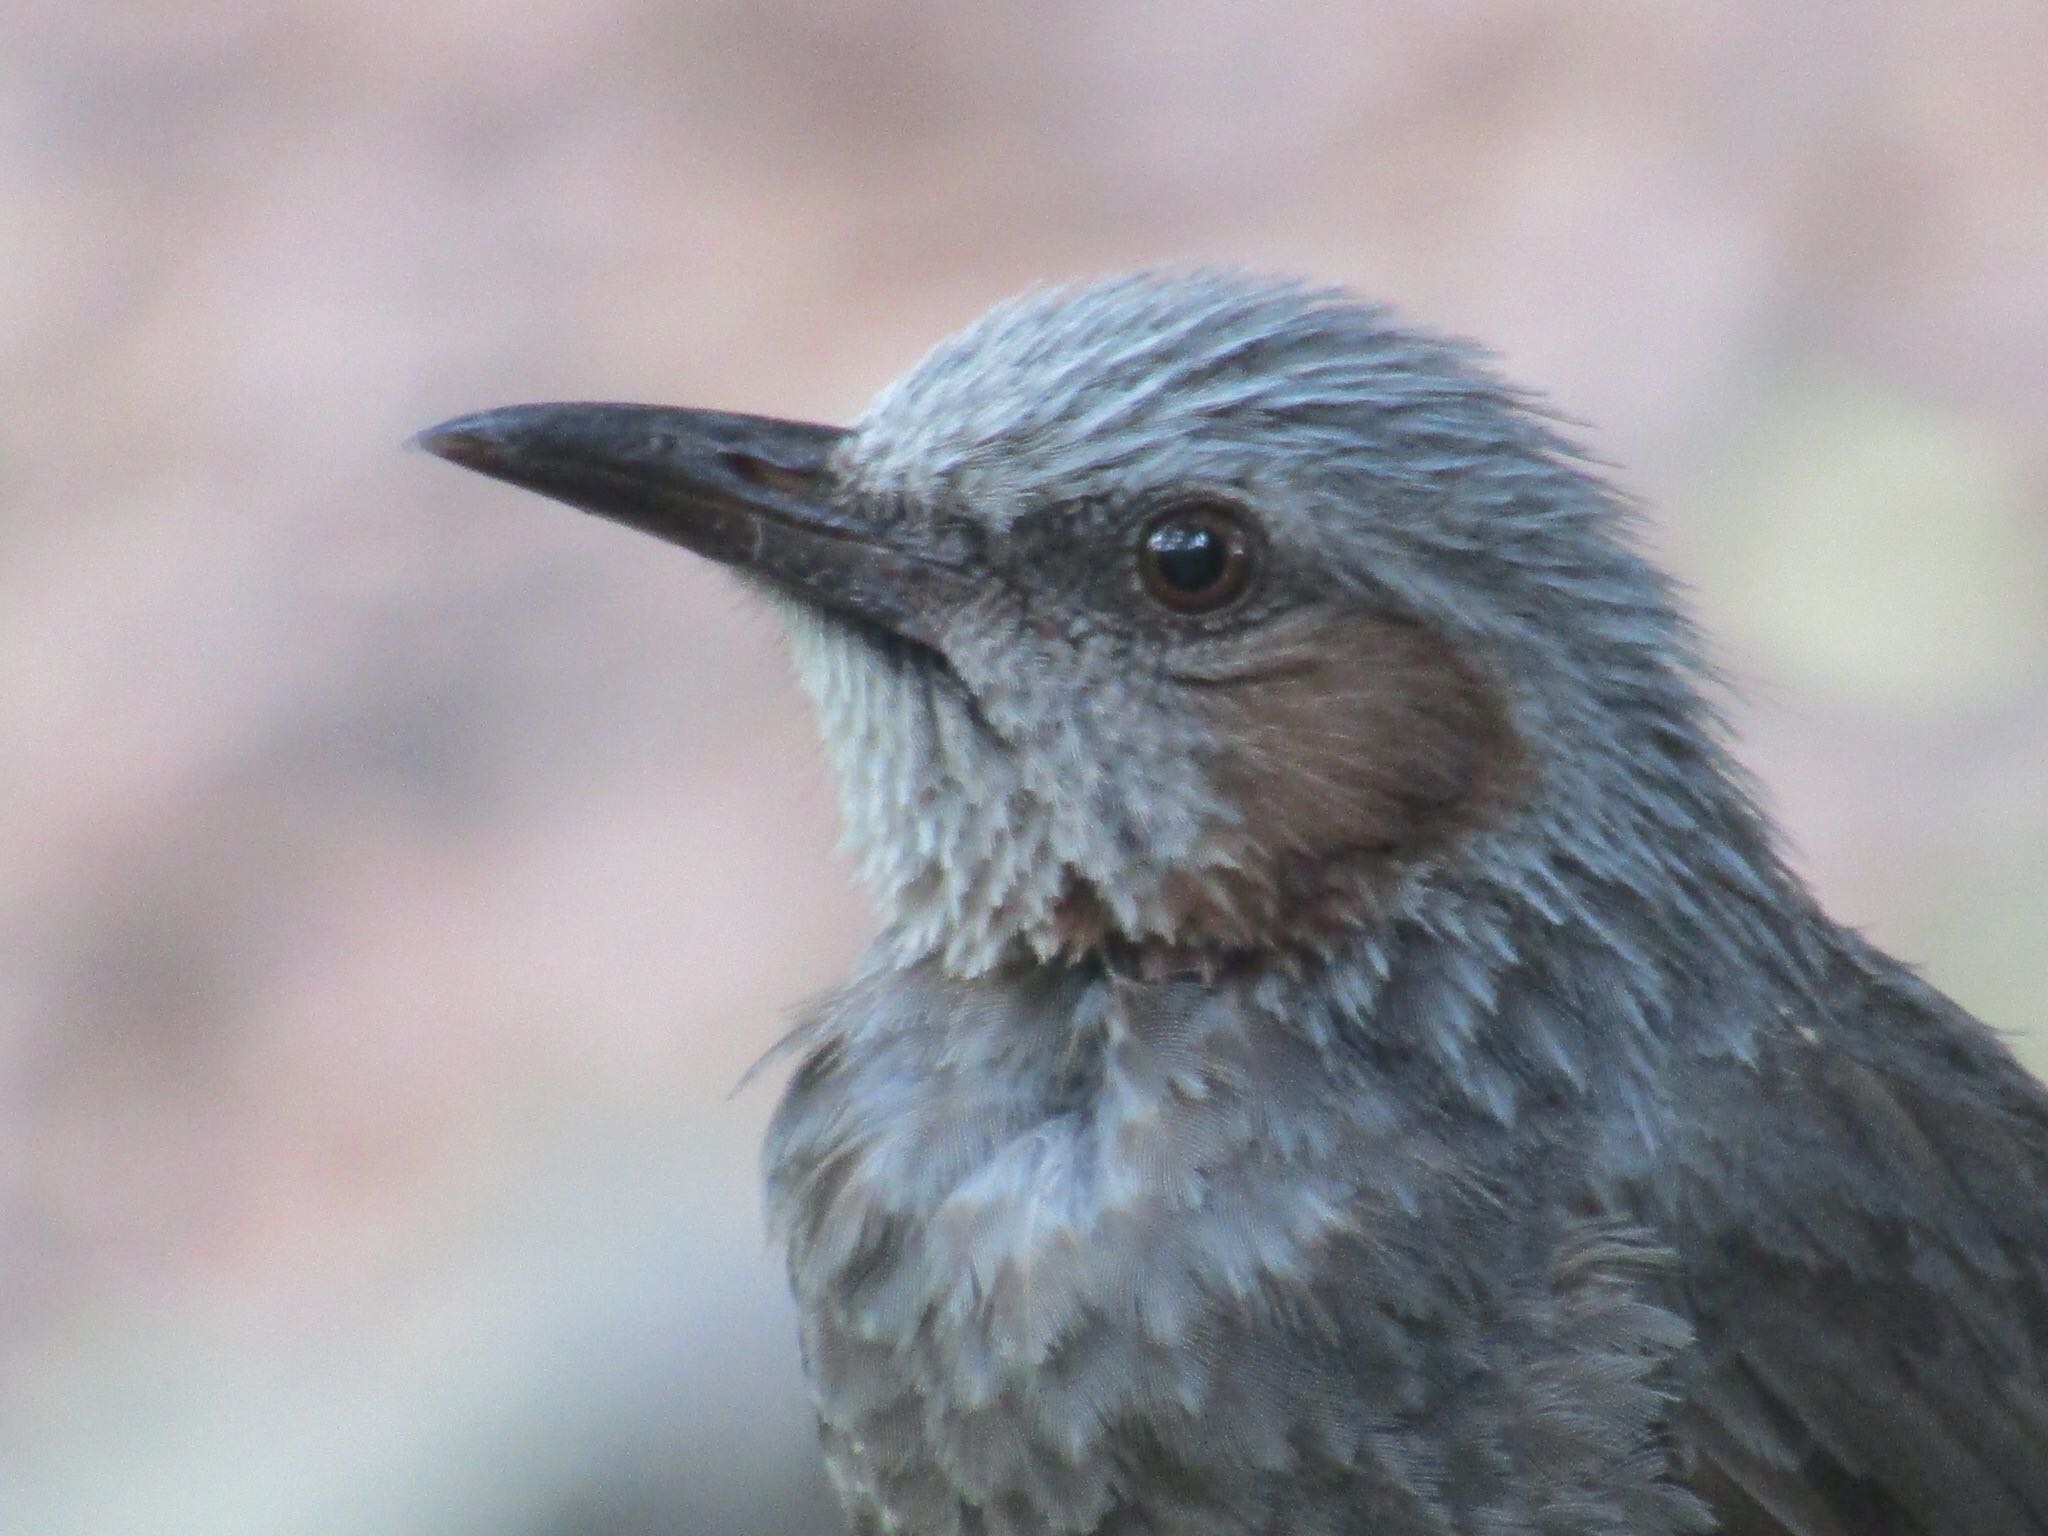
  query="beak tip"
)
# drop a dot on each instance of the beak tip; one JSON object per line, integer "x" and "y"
{"x": 463, "y": 440}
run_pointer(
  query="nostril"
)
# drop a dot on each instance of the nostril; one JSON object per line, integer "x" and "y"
{"x": 769, "y": 476}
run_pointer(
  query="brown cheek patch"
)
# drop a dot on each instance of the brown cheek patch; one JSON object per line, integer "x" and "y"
{"x": 1351, "y": 749}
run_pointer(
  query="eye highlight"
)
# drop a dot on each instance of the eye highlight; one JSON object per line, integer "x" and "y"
{"x": 1196, "y": 556}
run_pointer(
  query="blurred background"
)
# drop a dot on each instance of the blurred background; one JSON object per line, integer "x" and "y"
{"x": 397, "y": 874}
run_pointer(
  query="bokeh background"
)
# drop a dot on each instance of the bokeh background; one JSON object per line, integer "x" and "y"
{"x": 398, "y": 874}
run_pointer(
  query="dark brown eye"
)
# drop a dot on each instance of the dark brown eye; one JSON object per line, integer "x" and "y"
{"x": 1195, "y": 557}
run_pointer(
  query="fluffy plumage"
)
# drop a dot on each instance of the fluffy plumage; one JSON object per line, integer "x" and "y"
{"x": 1362, "y": 1067}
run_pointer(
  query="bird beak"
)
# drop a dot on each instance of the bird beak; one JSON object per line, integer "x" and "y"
{"x": 747, "y": 491}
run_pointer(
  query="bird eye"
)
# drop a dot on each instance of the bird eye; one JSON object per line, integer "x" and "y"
{"x": 1195, "y": 557}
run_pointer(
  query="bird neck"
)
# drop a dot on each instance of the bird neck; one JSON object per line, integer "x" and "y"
{"x": 1593, "y": 953}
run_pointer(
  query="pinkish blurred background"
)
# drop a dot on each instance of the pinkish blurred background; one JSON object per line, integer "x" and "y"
{"x": 397, "y": 874}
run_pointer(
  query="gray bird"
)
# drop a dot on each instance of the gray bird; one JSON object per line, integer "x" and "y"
{"x": 1344, "y": 1053}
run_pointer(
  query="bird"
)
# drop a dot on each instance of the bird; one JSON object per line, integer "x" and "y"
{"x": 1344, "y": 1049}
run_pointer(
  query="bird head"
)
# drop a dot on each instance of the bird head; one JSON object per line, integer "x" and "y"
{"x": 1176, "y": 620}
